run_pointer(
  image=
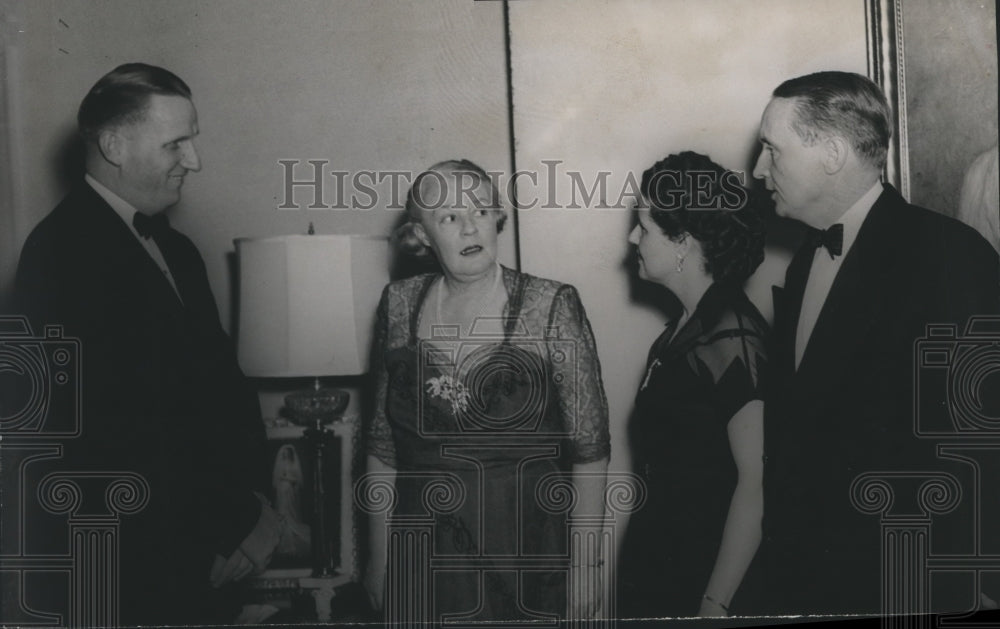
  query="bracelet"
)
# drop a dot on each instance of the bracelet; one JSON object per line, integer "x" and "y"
{"x": 715, "y": 602}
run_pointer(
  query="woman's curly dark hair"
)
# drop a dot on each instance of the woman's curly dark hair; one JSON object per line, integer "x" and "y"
{"x": 689, "y": 194}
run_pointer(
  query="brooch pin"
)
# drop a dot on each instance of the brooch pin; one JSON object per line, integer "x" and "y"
{"x": 649, "y": 372}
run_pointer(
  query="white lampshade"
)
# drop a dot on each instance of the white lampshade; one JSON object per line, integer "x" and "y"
{"x": 307, "y": 303}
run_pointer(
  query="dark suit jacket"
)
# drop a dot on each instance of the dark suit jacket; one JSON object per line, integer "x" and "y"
{"x": 848, "y": 409}
{"x": 162, "y": 395}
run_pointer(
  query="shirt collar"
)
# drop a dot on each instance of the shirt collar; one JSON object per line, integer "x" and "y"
{"x": 855, "y": 216}
{"x": 121, "y": 207}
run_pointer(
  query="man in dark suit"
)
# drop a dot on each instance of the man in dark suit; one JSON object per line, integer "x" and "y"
{"x": 873, "y": 272}
{"x": 162, "y": 393}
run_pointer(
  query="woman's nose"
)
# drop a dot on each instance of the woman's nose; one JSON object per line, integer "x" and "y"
{"x": 469, "y": 224}
{"x": 633, "y": 236}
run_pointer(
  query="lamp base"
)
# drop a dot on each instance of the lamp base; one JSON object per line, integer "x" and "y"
{"x": 316, "y": 406}
{"x": 322, "y": 589}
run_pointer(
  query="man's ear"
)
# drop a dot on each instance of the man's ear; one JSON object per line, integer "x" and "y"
{"x": 835, "y": 152}
{"x": 112, "y": 146}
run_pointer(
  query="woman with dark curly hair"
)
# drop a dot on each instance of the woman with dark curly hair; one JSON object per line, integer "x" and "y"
{"x": 697, "y": 427}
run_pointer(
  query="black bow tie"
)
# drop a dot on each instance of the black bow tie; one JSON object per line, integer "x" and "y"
{"x": 155, "y": 225}
{"x": 832, "y": 239}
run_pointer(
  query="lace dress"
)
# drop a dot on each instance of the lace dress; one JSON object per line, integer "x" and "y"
{"x": 693, "y": 385}
{"x": 495, "y": 414}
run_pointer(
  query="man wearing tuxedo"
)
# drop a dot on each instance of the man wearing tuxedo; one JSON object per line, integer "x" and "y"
{"x": 873, "y": 272}
{"x": 162, "y": 393}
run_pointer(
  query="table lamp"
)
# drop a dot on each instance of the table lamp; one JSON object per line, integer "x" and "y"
{"x": 307, "y": 309}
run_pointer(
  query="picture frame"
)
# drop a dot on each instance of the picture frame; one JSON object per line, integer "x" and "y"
{"x": 886, "y": 66}
{"x": 291, "y": 493}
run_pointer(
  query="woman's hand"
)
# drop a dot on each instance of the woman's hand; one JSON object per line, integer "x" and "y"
{"x": 374, "y": 583}
{"x": 710, "y": 608}
{"x": 741, "y": 533}
{"x": 587, "y": 569}
{"x": 589, "y": 580}
{"x": 374, "y": 579}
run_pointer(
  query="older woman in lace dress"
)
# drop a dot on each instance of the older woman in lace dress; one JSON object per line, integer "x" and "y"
{"x": 488, "y": 377}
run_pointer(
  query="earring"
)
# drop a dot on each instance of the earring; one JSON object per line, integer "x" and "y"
{"x": 680, "y": 262}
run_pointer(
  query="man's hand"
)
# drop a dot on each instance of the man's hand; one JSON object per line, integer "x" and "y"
{"x": 233, "y": 569}
{"x": 254, "y": 552}
{"x": 259, "y": 545}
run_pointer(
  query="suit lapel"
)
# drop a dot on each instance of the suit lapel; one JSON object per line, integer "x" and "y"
{"x": 856, "y": 297}
{"x": 788, "y": 307}
{"x": 114, "y": 240}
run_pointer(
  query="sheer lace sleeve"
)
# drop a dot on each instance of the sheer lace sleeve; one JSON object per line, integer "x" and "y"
{"x": 733, "y": 356}
{"x": 378, "y": 433}
{"x": 576, "y": 375}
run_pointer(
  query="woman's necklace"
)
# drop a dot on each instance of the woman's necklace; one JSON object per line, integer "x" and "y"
{"x": 483, "y": 302}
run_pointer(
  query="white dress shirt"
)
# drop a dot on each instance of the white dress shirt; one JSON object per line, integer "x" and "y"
{"x": 125, "y": 210}
{"x": 824, "y": 269}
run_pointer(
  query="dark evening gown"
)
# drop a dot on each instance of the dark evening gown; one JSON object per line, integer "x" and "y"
{"x": 496, "y": 416}
{"x": 692, "y": 387}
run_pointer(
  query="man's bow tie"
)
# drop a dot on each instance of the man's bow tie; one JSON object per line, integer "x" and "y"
{"x": 147, "y": 226}
{"x": 832, "y": 239}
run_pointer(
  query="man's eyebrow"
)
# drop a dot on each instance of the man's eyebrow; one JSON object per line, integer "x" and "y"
{"x": 181, "y": 138}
